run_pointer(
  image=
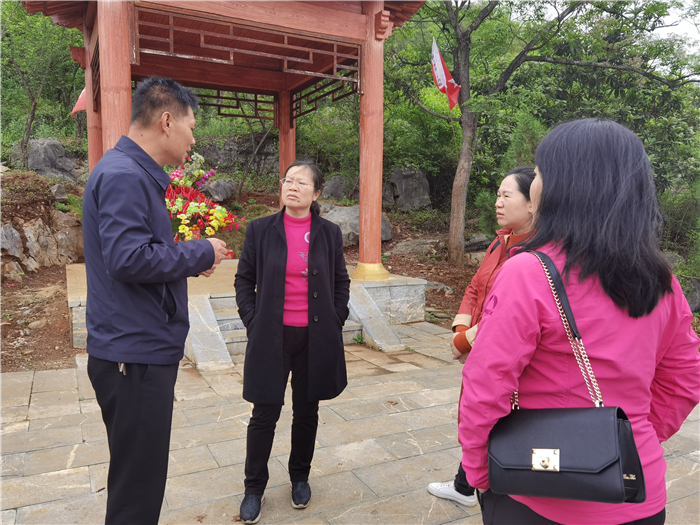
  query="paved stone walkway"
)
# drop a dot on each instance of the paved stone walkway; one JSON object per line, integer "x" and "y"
{"x": 379, "y": 444}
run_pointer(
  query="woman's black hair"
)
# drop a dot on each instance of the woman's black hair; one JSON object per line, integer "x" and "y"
{"x": 524, "y": 175}
{"x": 598, "y": 204}
{"x": 316, "y": 176}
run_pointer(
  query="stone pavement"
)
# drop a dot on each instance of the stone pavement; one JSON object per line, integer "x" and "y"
{"x": 379, "y": 444}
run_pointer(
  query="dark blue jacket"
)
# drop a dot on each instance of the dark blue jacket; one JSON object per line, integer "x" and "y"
{"x": 136, "y": 273}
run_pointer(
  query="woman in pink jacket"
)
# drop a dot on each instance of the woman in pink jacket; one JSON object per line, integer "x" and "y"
{"x": 597, "y": 219}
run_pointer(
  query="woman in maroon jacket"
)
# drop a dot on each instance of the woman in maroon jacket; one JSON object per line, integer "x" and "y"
{"x": 514, "y": 212}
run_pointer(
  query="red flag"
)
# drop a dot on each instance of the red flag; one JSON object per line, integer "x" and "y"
{"x": 442, "y": 77}
{"x": 81, "y": 103}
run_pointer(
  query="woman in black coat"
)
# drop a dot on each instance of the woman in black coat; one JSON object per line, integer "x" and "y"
{"x": 292, "y": 291}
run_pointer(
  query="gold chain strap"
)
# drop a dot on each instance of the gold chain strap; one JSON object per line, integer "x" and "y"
{"x": 576, "y": 345}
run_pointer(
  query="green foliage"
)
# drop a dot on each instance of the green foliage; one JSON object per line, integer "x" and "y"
{"x": 75, "y": 147}
{"x": 75, "y": 205}
{"x": 347, "y": 202}
{"x": 255, "y": 211}
{"x": 485, "y": 202}
{"x": 526, "y": 136}
{"x": 235, "y": 207}
{"x": 252, "y": 201}
{"x": 37, "y": 67}
{"x": 680, "y": 208}
{"x": 60, "y": 206}
{"x": 330, "y": 137}
{"x": 358, "y": 339}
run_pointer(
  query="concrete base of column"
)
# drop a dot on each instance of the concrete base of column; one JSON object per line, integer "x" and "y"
{"x": 370, "y": 272}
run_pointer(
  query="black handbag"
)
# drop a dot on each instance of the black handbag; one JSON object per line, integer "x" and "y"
{"x": 586, "y": 454}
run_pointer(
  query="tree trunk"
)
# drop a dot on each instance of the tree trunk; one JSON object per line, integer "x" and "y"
{"x": 80, "y": 124}
{"x": 239, "y": 188}
{"x": 455, "y": 246}
{"x": 27, "y": 133}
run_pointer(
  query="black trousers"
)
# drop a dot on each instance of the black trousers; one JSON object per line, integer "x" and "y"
{"x": 461, "y": 484}
{"x": 500, "y": 509}
{"x": 261, "y": 429}
{"x": 137, "y": 409}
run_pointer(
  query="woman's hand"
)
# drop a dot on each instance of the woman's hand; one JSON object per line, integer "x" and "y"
{"x": 456, "y": 354}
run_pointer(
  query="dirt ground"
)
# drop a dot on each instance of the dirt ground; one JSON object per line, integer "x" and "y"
{"x": 38, "y": 301}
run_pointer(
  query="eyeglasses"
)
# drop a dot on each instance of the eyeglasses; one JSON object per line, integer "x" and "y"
{"x": 299, "y": 183}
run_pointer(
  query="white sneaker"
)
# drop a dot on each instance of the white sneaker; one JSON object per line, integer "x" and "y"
{"x": 447, "y": 491}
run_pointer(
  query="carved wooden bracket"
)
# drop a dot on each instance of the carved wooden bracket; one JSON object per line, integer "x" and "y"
{"x": 78, "y": 56}
{"x": 383, "y": 25}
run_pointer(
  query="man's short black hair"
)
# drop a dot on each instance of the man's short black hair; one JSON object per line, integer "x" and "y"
{"x": 155, "y": 95}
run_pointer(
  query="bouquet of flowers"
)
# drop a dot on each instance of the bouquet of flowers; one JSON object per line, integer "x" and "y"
{"x": 191, "y": 173}
{"x": 198, "y": 216}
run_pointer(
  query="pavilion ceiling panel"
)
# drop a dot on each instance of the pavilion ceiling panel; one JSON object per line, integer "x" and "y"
{"x": 187, "y": 36}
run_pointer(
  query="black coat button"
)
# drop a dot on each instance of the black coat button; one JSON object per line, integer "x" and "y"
{"x": 315, "y": 272}
{"x": 315, "y": 294}
{"x": 316, "y": 318}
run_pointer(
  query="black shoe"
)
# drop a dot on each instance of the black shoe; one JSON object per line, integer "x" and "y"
{"x": 301, "y": 494}
{"x": 251, "y": 508}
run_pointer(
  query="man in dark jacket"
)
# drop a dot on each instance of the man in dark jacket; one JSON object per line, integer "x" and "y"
{"x": 137, "y": 316}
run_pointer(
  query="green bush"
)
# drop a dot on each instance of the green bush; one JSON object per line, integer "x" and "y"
{"x": 425, "y": 220}
{"x": 680, "y": 208}
{"x": 485, "y": 202}
{"x": 75, "y": 205}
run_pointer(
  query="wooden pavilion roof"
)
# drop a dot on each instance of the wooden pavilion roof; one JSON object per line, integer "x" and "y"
{"x": 243, "y": 46}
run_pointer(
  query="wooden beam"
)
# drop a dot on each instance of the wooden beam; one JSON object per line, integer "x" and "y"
{"x": 78, "y": 56}
{"x": 313, "y": 20}
{"x": 90, "y": 15}
{"x": 208, "y": 75}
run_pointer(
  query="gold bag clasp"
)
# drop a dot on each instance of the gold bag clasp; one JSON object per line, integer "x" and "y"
{"x": 546, "y": 459}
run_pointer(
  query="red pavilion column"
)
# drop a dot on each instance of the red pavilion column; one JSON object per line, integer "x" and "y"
{"x": 115, "y": 70}
{"x": 288, "y": 138}
{"x": 372, "y": 142}
{"x": 94, "y": 116}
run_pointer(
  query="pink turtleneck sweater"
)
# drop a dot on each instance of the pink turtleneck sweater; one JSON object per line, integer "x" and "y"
{"x": 296, "y": 284}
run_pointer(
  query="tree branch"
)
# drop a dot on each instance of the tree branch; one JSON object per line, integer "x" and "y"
{"x": 605, "y": 65}
{"x": 532, "y": 45}
{"x": 433, "y": 113}
{"x": 485, "y": 12}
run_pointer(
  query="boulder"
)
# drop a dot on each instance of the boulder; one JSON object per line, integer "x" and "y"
{"x": 419, "y": 246}
{"x": 59, "y": 193}
{"x": 409, "y": 188}
{"x": 10, "y": 241}
{"x": 477, "y": 243}
{"x": 219, "y": 190}
{"x": 48, "y": 158}
{"x": 334, "y": 188}
{"x": 68, "y": 233}
{"x": 11, "y": 270}
{"x": 474, "y": 259}
{"x": 41, "y": 244}
{"x": 691, "y": 288}
{"x": 59, "y": 243}
{"x": 348, "y": 218}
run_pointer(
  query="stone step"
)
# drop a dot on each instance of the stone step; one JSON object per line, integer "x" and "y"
{"x": 227, "y": 314}
{"x": 219, "y": 304}
{"x": 236, "y": 349}
{"x": 235, "y": 336}
{"x": 226, "y": 325}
